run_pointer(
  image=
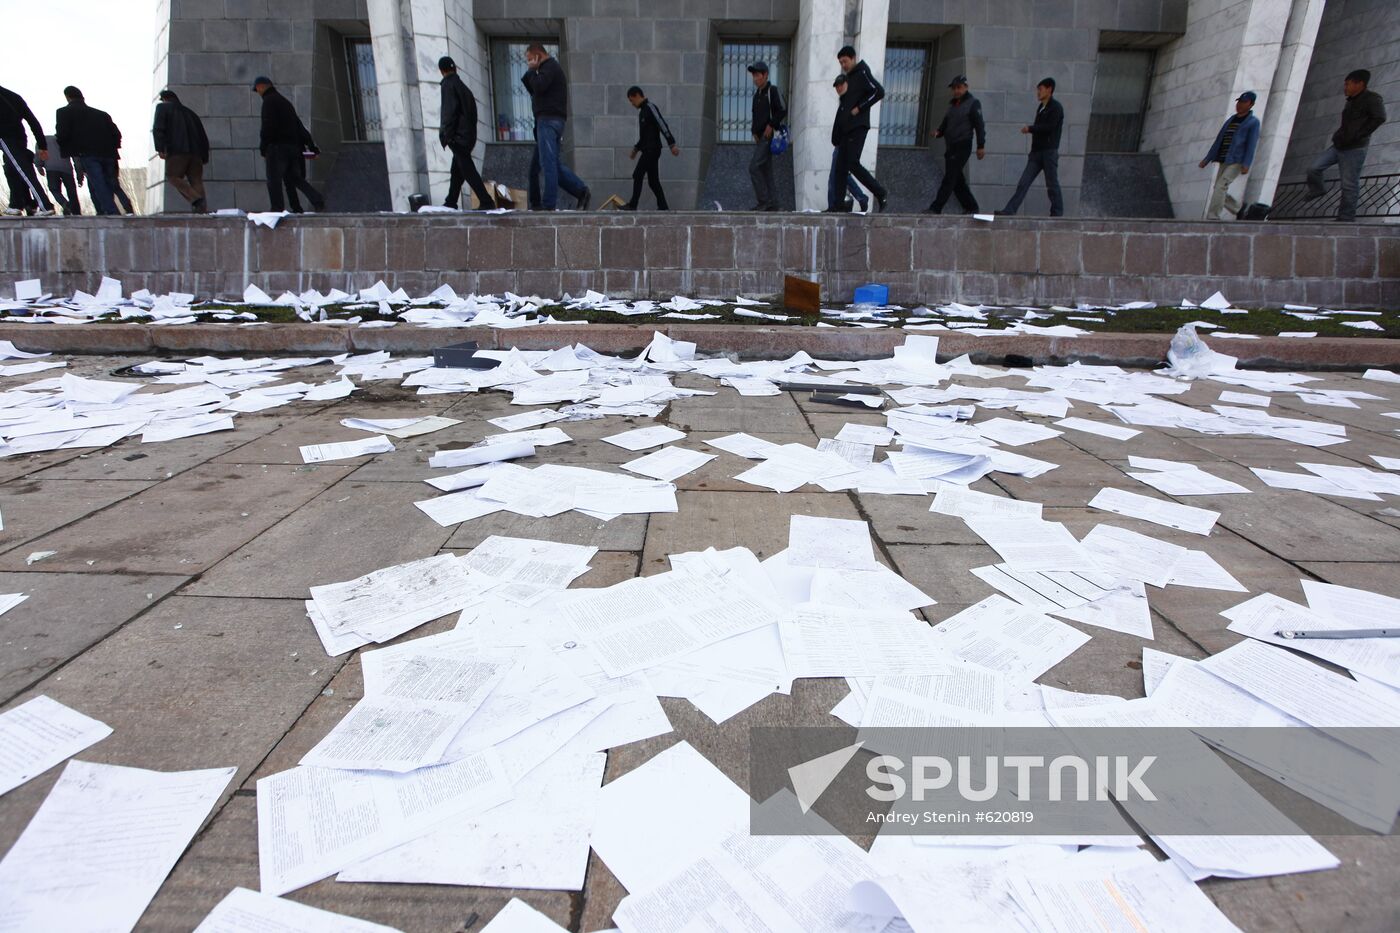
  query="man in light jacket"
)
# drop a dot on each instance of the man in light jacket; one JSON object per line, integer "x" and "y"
{"x": 1234, "y": 149}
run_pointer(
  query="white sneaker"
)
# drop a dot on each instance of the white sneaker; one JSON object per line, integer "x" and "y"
{"x": 44, "y": 214}
{"x": 11, "y": 212}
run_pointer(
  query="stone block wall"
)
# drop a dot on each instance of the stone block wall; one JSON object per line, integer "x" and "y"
{"x": 922, "y": 259}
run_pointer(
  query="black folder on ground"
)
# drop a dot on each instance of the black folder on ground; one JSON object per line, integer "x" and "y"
{"x": 462, "y": 356}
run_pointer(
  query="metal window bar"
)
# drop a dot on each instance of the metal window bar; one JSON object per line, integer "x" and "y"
{"x": 364, "y": 90}
{"x": 515, "y": 119}
{"x": 736, "y": 86}
{"x": 904, "y": 107}
{"x": 1121, "y": 82}
{"x": 1379, "y": 197}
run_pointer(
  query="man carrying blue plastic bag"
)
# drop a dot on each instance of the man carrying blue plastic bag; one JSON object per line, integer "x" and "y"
{"x": 769, "y": 113}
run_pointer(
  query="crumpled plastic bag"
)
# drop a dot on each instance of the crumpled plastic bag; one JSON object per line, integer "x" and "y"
{"x": 1189, "y": 356}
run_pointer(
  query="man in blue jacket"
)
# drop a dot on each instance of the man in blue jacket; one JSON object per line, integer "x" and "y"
{"x": 1234, "y": 149}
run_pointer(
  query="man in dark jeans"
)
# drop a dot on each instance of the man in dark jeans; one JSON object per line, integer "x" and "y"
{"x": 89, "y": 135}
{"x": 1045, "y": 151}
{"x": 1363, "y": 113}
{"x": 862, "y": 93}
{"x": 20, "y": 176}
{"x": 960, "y": 125}
{"x": 768, "y": 116}
{"x": 458, "y": 133}
{"x": 181, "y": 142}
{"x": 283, "y": 141}
{"x": 549, "y": 99}
{"x": 834, "y": 192}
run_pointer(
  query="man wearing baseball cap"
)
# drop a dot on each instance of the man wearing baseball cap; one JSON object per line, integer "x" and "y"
{"x": 1234, "y": 149}
{"x": 768, "y": 116}
{"x": 960, "y": 124}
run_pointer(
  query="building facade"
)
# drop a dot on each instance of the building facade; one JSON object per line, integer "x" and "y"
{"x": 1144, "y": 83}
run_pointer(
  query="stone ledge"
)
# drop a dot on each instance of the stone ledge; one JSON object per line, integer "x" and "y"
{"x": 750, "y": 342}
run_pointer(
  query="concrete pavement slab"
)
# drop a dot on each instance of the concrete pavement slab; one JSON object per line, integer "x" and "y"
{"x": 37, "y": 506}
{"x": 774, "y": 413}
{"x": 184, "y": 525}
{"x": 755, "y": 520}
{"x": 1373, "y": 576}
{"x": 907, "y": 519}
{"x": 624, "y": 533}
{"x": 65, "y": 614}
{"x": 345, "y": 532}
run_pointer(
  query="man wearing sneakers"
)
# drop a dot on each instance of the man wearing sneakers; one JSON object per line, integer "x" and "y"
{"x": 862, "y": 93}
{"x": 23, "y": 181}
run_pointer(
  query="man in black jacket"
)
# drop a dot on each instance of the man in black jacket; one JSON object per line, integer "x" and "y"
{"x": 862, "y": 93}
{"x": 960, "y": 125}
{"x": 1363, "y": 113}
{"x": 180, "y": 140}
{"x": 89, "y": 135}
{"x": 651, "y": 126}
{"x": 23, "y": 181}
{"x": 768, "y": 116}
{"x": 549, "y": 99}
{"x": 283, "y": 142}
{"x": 1045, "y": 151}
{"x": 458, "y": 133}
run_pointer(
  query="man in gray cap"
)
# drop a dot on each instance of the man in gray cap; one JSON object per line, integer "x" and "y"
{"x": 768, "y": 115}
{"x": 1234, "y": 149}
{"x": 962, "y": 122}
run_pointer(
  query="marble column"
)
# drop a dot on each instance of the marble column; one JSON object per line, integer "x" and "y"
{"x": 395, "y": 68}
{"x": 873, "y": 22}
{"x": 821, "y": 31}
{"x": 1285, "y": 93}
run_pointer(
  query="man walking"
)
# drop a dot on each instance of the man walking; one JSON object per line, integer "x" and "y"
{"x": 549, "y": 99}
{"x": 20, "y": 176}
{"x": 89, "y": 135}
{"x": 862, "y": 93}
{"x": 458, "y": 133}
{"x": 1234, "y": 149}
{"x": 181, "y": 141}
{"x": 1363, "y": 114}
{"x": 651, "y": 127}
{"x": 1045, "y": 151}
{"x": 284, "y": 140}
{"x": 768, "y": 116}
{"x": 961, "y": 124}
{"x": 834, "y": 193}
{"x": 63, "y": 178}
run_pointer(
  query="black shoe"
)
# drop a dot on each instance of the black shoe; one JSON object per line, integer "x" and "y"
{"x": 1003, "y": 213}
{"x": 933, "y": 209}
{"x": 199, "y": 206}
{"x": 758, "y": 207}
{"x": 628, "y": 207}
{"x": 583, "y": 200}
{"x": 1314, "y": 195}
{"x": 449, "y": 205}
{"x": 771, "y": 208}
{"x": 883, "y": 200}
{"x": 1344, "y": 220}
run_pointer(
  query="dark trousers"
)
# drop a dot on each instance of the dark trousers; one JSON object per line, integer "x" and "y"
{"x": 761, "y": 174}
{"x": 648, "y": 167}
{"x": 848, "y": 164}
{"x": 955, "y": 179}
{"x": 286, "y": 168}
{"x": 833, "y": 189}
{"x": 464, "y": 170}
{"x": 1047, "y": 161}
{"x": 65, "y": 193}
{"x": 23, "y": 182}
{"x": 118, "y": 192}
{"x": 102, "y": 183}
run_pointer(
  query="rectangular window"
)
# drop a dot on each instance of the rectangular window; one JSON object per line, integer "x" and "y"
{"x": 515, "y": 120}
{"x": 364, "y": 90}
{"x": 903, "y": 110}
{"x": 1121, "y": 82}
{"x": 736, "y": 84}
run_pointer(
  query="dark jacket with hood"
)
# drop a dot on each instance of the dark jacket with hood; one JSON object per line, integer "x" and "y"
{"x": 651, "y": 126}
{"x": 177, "y": 130}
{"x": 865, "y": 92}
{"x": 458, "y": 113}
{"x": 1360, "y": 118}
{"x": 14, "y": 114}
{"x": 549, "y": 89}
{"x": 280, "y": 124}
{"x": 87, "y": 131}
